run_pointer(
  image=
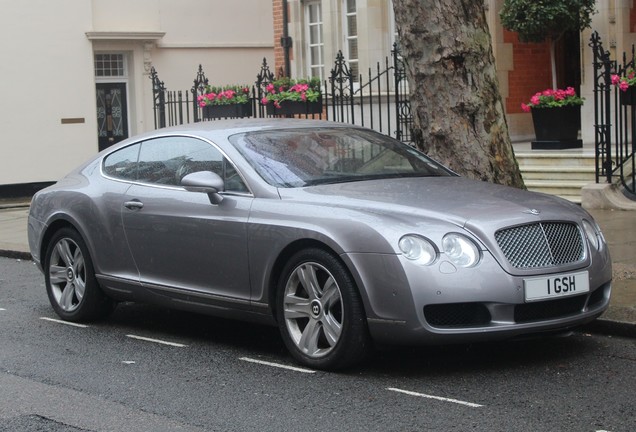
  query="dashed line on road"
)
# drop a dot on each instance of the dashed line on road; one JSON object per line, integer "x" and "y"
{"x": 2, "y": 309}
{"x": 72, "y": 324}
{"x": 158, "y": 341}
{"x": 277, "y": 365}
{"x": 439, "y": 398}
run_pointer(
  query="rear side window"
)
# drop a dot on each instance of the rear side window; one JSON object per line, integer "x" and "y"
{"x": 122, "y": 164}
{"x": 166, "y": 160}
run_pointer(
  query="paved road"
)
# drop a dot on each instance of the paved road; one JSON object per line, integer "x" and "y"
{"x": 201, "y": 373}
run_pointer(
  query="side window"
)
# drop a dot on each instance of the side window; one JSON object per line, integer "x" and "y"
{"x": 122, "y": 164}
{"x": 167, "y": 160}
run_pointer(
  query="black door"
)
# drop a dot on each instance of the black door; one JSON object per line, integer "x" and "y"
{"x": 112, "y": 114}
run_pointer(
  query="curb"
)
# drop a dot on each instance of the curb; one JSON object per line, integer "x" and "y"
{"x": 598, "y": 326}
{"x": 15, "y": 254}
{"x": 611, "y": 328}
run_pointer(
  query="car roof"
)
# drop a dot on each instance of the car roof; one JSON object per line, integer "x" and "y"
{"x": 226, "y": 127}
{"x": 233, "y": 126}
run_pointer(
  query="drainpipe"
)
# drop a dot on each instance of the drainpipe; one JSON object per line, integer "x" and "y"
{"x": 286, "y": 40}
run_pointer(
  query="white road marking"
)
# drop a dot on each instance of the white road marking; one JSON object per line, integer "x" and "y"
{"x": 2, "y": 309}
{"x": 277, "y": 365}
{"x": 128, "y": 362}
{"x": 159, "y": 341}
{"x": 72, "y": 324}
{"x": 443, "y": 399}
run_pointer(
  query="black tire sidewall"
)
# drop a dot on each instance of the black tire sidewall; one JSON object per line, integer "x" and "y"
{"x": 354, "y": 342}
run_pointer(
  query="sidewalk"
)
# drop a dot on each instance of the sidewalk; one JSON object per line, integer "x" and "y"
{"x": 619, "y": 228}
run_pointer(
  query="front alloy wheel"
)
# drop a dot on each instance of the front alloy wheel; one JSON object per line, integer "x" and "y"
{"x": 320, "y": 313}
{"x": 313, "y": 309}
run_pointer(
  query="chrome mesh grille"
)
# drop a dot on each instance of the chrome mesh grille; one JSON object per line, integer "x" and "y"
{"x": 544, "y": 244}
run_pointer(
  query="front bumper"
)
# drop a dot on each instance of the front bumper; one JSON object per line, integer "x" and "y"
{"x": 410, "y": 304}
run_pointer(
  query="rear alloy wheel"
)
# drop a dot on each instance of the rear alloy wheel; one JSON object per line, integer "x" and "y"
{"x": 320, "y": 313}
{"x": 70, "y": 279}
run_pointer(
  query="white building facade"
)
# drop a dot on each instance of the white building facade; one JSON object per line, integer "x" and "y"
{"x": 77, "y": 69}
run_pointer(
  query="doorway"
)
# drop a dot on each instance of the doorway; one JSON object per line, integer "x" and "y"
{"x": 112, "y": 114}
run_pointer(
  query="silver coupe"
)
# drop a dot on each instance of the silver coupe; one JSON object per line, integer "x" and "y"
{"x": 339, "y": 235}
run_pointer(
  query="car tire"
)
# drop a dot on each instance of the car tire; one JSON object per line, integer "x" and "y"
{"x": 319, "y": 311}
{"x": 70, "y": 279}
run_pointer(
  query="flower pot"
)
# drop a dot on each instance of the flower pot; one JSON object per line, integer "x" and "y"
{"x": 556, "y": 128}
{"x": 627, "y": 97}
{"x": 295, "y": 108}
{"x": 223, "y": 111}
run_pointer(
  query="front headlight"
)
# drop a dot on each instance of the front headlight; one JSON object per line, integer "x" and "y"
{"x": 418, "y": 249}
{"x": 462, "y": 251}
{"x": 593, "y": 234}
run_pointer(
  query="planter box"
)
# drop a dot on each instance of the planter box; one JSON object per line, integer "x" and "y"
{"x": 556, "y": 128}
{"x": 627, "y": 97}
{"x": 288, "y": 108}
{"x": 225, "y": 111}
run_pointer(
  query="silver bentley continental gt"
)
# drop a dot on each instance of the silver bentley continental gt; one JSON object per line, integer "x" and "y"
{"x": 341, "y": 236}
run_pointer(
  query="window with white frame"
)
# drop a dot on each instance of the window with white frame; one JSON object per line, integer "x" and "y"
{"x": 351, "y": 36}
{"x": 110, "y": 65}
{"x": 315, "y": 44}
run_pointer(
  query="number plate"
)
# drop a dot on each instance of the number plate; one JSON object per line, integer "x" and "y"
{"x": 562, "y": 285}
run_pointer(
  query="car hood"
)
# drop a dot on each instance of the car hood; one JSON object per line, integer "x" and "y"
{"x": 463, "y": 202}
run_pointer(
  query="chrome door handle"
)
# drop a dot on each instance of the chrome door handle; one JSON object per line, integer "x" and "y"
{"x": 134, "y": 205}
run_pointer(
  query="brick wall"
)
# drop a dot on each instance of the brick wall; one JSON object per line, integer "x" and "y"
{"x": 279, "y": 62}
{"x": 530, "y": 72}
{"x": 632, "y": 19}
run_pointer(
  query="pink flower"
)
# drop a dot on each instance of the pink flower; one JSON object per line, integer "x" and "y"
{"x": 534, "y": 100}
{"x": 525, "y": 108}
{"x": 276, "y": 104}
{"x": 623, "y": 86}
{"x": 570, "y": 91}
{"x": 264, "y": 101}
{"x": 303, "y": 96}
{"x": 615, "y": 79}
{"x": 270, "y": 88}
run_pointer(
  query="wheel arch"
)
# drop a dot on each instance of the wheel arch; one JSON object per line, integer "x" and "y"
{"x": 284, "y": 256}
{"x": 53, "y": 228}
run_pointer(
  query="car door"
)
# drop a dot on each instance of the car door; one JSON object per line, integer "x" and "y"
{"x": 179, "y": 240}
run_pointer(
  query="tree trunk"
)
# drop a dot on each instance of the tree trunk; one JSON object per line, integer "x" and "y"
{"x": 458, "y": 113}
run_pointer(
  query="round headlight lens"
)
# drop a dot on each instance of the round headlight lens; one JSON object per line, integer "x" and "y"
{"x": 417, "y": 249}
{"x": 460, "y": 250}
{"x": 593, "y": 234}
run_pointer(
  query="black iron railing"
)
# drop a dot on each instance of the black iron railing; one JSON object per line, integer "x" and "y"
{"x": 614, "y": 120}
{"x": 379, "y": 101}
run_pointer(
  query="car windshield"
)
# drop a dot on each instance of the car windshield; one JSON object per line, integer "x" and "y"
{"x": 306, "y": 157}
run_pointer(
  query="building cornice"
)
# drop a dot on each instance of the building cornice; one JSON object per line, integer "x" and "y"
{"x": 229, "y": 45}
{"x": 124, "y": 35}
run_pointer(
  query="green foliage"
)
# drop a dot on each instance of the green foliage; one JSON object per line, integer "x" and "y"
{"x": 536, "y": 20}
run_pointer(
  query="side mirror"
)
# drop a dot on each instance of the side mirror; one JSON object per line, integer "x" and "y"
{"x": 205, "y": 182}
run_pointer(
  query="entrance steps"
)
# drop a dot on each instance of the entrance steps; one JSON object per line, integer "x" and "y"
{"x": 561, "y": 173}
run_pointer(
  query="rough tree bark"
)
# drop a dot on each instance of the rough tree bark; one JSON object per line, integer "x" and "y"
{"x": 458, "y": 113}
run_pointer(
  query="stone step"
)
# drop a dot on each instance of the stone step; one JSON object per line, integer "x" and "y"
{"x": 561, "y": 187}
{"x": 562, "y": 159}
{"x": 560, "y": 173}
{"x": 550, "y": 172}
